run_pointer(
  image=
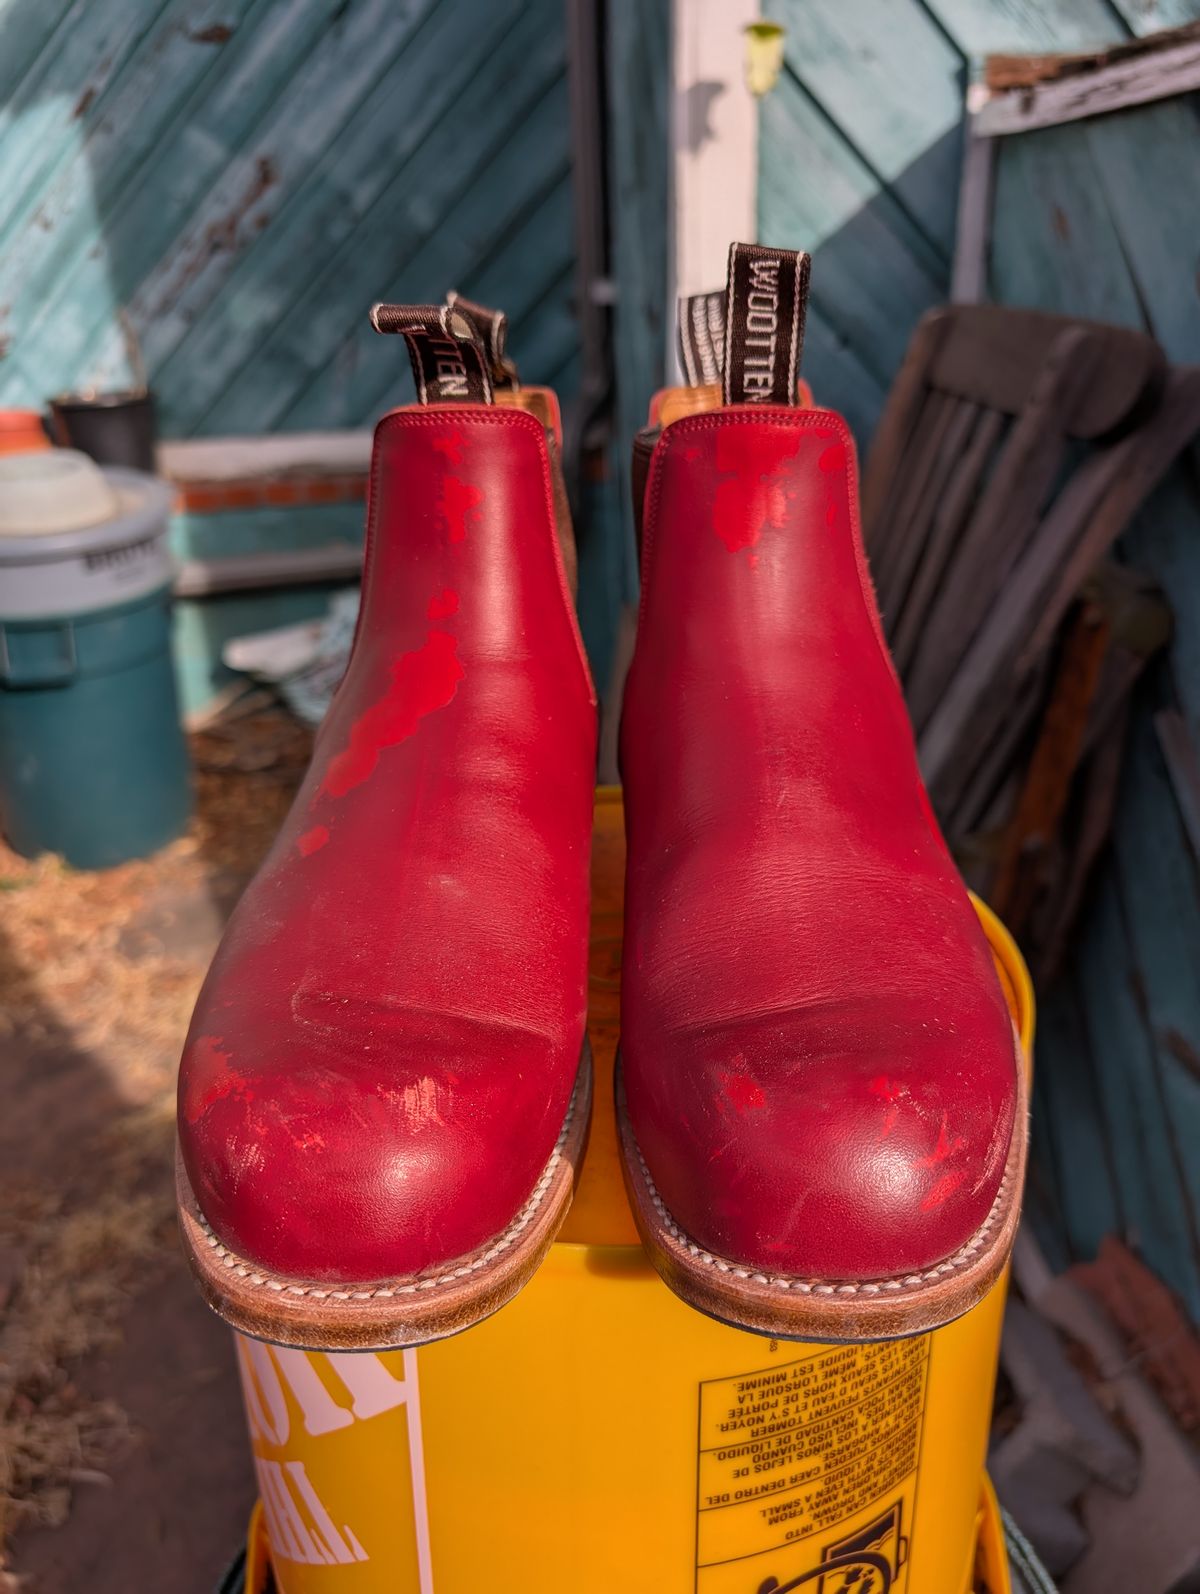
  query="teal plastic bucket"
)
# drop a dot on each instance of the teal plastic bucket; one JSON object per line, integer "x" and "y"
{"x": 93, "y": 763}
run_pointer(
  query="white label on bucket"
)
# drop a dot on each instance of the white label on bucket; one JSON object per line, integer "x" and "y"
{"x": 807, "y": 1472}
{"x": 85, "y": 583}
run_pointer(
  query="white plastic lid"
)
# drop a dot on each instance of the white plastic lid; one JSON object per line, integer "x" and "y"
{"x": 57, "y": 489}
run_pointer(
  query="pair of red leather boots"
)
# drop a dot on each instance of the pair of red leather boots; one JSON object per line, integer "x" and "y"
{"x": 385, "y": 1091}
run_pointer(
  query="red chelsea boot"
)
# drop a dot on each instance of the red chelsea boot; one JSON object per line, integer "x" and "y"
{"x": 385, "y": 1090}
{"x": 822, "y": 1099}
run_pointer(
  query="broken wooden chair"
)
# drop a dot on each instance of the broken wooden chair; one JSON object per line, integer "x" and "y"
{"x": 1014, "y": 449}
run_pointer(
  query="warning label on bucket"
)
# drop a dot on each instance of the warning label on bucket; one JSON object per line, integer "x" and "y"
{"x": 807, "y": 1470}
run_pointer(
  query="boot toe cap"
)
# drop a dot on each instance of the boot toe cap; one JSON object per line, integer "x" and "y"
{"x": 341, "y": 1173}
{"x": 836, "y": 1169}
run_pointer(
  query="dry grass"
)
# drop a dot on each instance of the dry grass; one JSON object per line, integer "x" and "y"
{"x": 92, "y": 969}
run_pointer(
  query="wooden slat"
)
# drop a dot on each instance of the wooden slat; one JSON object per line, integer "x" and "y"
{"x": 1129, "y": 81}
{"x": 1100, "y": 498}
{"x": 995, "y": 356}
{"x": 304, "y": 117}
{"x": 1154, "y": 220}
{"x": 874, "y": 273}
{"x": 910, "y": 479}
{"x": 1161, "y": 907}
{"x": 916, "y": 534}
{"x": 888, "y": 76}
{"x": 26, "y": 30}
{"x": 998, "y": 531}
{"x": 1062, "y": 252}
{"x": 1108, "y": 492}
{"x": 932, "y": 455}
{"x": 350, "y": 365}
{"x": 119, "y": 132}
{"x": 1021, "y": 874}
{"x": 955, "y": 505}
{"x": 62, "y": 341}
{"x": 984, "y": 27}
{"x": 1138, "y": 1132}
{"x": 890, "y": 441}
{"x": 40, "y": 123}
{"x": 328, "y": 201}
{"x": 980, "y": 778}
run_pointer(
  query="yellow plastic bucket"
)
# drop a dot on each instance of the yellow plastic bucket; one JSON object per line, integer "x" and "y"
{"x": 598, "y": 1435}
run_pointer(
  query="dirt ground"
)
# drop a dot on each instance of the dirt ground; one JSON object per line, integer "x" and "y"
{"x": 122, "y": 1458}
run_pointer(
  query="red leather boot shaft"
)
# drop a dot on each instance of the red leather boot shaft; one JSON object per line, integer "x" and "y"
{"x": 385, "y": 1047}
{"x": 817, "y": 1056}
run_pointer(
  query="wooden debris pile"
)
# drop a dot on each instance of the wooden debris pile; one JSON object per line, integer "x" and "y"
{"x": 1014, "y": 450}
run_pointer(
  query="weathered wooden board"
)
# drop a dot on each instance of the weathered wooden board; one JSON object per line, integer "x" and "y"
{"x": 27, "y": 28}
{"x": 984, "y": 27}
{"x": 874, "y": 271}
{"x": 1149, "y": 16}
{"x": 351, "y": 364}
{"x": 1071, "y": 1126}
{"x": 892, "y": 82}
{"x": 329, "y": 202}
{"x": 57, "y": 347}
{"x": 119, "y": 131}
{"x": 1139, "y": 1141}
{"x": 88, "y": 51}
{"x": 228, "y": 155}
{"x": 639, "y": 57}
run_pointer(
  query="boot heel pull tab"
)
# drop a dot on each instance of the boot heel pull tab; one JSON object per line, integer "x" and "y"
{"x": 766, "y": 299}
{"x": 450, "y": 365}
{"x": 701, "y": 335}
{"x": 491, "y": 329}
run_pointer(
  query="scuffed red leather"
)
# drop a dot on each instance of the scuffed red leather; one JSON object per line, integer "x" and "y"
{"x": 818, "y": 1059}
{"x": 383, "y": 1053}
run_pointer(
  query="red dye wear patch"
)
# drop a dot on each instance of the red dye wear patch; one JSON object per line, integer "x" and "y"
{"x": 459, "y": 504}
{"x": 443, "y": 604}
{"x": 212, "y": 1078}
{"x": 422, "y": 682}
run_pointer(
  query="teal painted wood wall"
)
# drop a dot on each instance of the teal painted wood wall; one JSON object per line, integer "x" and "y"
{"x": 859, "y": 160}
{"x": 243, "y": 178}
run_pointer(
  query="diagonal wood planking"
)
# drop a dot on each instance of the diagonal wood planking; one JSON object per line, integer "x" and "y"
{"x": 25, "y": 29}
{"x": 169, "y": 61}
{"x": 43, "y": 118}
{"x": 227, "y": 156}
{"x": 525, "y": 281}
{"x": 310, "y": 113}
{"x": 274, "y": 265}
{"x": 439, "y": 215}
{"x": 75, "y": 311}
{"x": 891, "y": 82}
{"x": 1097, "y": 219}
{"x": 874, "y": 274}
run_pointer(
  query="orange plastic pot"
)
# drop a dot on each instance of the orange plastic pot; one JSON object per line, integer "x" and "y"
{"x": 21, "y": 432}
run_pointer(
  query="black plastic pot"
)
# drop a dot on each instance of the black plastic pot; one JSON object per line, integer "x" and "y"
{"x": 114, "y": 428}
